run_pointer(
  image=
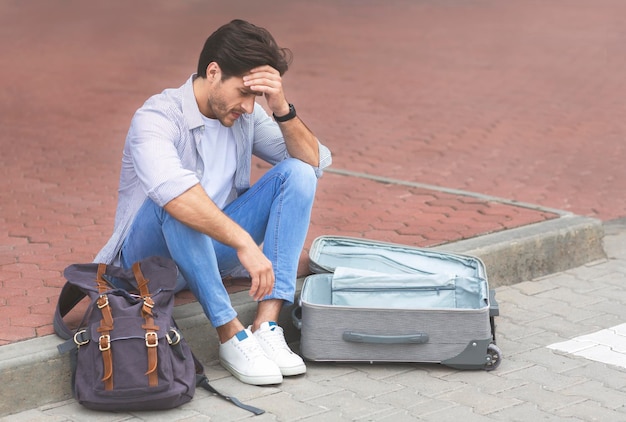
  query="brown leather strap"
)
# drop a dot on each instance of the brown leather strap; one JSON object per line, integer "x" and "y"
{"x": 142, "y": 282}
{"x": 152, "y": 337}
{"x": 103, "y": 286}
{"x": 107, "y": 316}
{"x": 104, "y": 343}
{"x": 107, "y": 360}
{"x": 152, "y": 342}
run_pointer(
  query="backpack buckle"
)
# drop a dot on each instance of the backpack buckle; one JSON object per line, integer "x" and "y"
{"x": 173, "y": 337}
{"x": 152, "y": 339}
{"x": 80, "y": 335}
{"x": 104, "y": 342}
{"x": 148, "y": 301}
{"x": 103, "y": 301}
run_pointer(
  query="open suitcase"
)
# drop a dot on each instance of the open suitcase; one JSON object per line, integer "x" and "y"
{"x": 374, "y": 301}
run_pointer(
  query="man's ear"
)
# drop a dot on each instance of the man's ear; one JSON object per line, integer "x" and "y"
{"x": 213, "y": 71}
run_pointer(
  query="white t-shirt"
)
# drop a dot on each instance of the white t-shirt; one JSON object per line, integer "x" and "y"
{"x": 218, "y": 151}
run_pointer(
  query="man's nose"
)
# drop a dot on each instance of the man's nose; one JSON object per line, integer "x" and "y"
{"x": 248, "y": 105}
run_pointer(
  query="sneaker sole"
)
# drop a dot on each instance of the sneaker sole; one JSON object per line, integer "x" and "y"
{"x": 252, "y": 380}
{"x": 294, "y": 370}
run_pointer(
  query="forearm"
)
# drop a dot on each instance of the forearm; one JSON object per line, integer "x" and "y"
{"x": 300, "y": 141}
{"x": 195, "y": 209}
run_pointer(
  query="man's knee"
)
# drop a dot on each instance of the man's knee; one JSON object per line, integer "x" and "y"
{"x": 301, "y": 175}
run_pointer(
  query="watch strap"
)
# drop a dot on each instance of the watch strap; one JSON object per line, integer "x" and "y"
{"x": 286, "y": 117}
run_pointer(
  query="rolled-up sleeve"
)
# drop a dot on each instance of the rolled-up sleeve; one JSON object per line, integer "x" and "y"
{"x": 152, "y": 142}
{"x": 326, "y": 159}
{"x": 269, "y": 143}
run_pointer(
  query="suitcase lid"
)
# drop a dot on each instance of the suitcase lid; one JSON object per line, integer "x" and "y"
{"x": 329, "y": 252}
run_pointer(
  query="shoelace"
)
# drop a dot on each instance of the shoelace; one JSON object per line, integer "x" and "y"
{"x": 251, "y": 348}
{"x": 275, "y": 338}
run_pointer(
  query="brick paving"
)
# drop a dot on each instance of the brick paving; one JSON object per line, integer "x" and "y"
{"x": 517, "y": 100}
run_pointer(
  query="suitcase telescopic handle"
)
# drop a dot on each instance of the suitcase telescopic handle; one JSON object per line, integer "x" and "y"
{"x": 415, "y": 338}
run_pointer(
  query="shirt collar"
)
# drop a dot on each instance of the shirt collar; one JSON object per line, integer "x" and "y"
{"x": 190, "y": 106}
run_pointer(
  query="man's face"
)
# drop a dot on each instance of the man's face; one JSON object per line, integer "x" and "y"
{"x": 228, "y": 99}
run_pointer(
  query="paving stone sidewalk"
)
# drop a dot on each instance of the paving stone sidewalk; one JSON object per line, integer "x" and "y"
{"x": 535, "y": 381}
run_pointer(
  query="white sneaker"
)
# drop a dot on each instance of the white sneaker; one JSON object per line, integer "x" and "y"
{"x": 272, "y": 340}
{"x": 243, "y": 357}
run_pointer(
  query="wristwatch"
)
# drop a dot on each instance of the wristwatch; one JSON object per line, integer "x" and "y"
{"x": 286, "y": 117}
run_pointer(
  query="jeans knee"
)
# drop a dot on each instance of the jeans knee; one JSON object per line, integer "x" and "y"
{"x": 300, "y": 176}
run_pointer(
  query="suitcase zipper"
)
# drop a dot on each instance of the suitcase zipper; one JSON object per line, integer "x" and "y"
{"x": 393, "y": 289}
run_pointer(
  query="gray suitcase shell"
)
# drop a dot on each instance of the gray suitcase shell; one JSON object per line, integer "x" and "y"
{"x": 384, "y": 302}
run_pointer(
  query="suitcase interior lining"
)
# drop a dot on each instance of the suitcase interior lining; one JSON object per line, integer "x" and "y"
{"x": 329, "y": 253}
{"x": 387, "y": 292}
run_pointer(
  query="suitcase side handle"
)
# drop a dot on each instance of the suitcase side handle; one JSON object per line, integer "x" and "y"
{"x": 296, "y": 317}
{"x": 415, "y": 338}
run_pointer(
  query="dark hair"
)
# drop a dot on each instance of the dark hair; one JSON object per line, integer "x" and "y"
{"x": 240, "y": 46}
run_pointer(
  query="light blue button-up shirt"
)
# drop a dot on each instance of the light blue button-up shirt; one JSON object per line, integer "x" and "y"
{"x": 161, "y": 159}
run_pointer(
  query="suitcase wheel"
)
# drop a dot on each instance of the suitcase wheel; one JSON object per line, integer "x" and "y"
{"x": 494, "y": 357}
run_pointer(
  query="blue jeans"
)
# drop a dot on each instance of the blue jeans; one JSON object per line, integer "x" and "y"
{"x": 275, "y": 211}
